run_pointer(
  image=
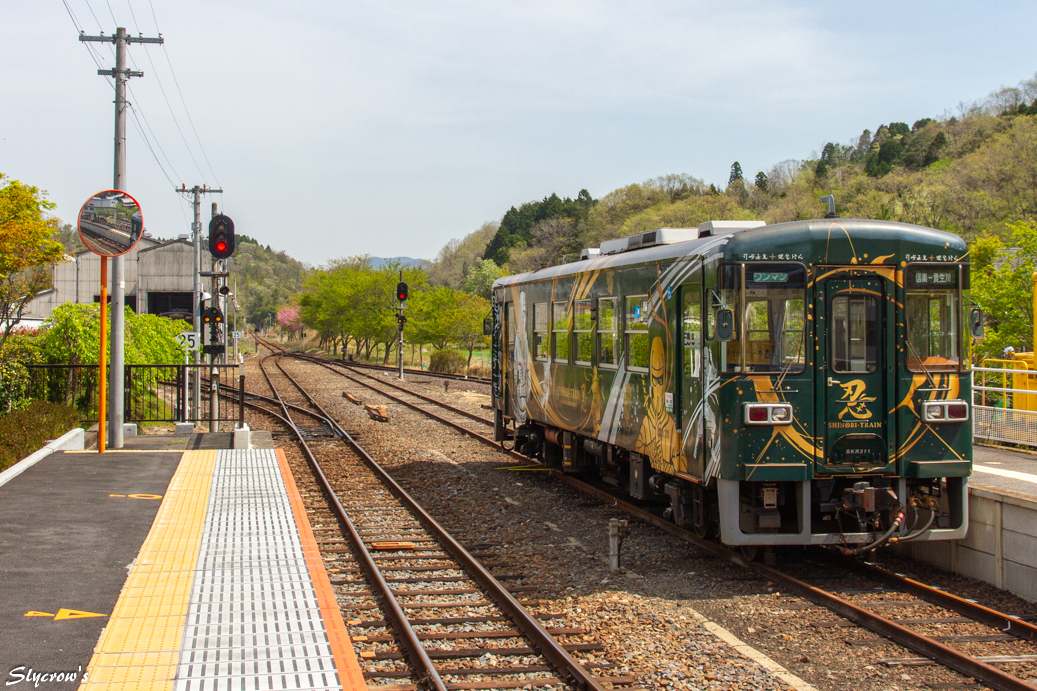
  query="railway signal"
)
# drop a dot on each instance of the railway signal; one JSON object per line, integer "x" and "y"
{"x": 401, "y": 291}
{"x": 401, "y": 320}
{"x": 221, "y": 236}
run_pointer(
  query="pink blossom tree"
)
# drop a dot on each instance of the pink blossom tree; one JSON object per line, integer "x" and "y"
{"x": 288, "y": 319}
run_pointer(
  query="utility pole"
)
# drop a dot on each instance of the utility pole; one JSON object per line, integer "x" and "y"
{"x": 115, "y": 376}
{"x": 196, "y": 228}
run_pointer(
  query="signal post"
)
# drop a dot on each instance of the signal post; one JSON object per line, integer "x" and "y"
{"x": 401, "y": 319}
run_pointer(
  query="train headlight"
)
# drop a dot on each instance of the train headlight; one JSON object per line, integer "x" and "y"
{"x": 768, "y": 414}
{"x": 945, "y": 411}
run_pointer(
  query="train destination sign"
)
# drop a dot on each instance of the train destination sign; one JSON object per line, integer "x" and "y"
{"x": 110, "y": 223}
{"x": 932, "y": 277}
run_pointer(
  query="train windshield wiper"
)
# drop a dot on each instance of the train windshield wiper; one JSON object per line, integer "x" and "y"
{"x": 914, "y": 352}
{"x": 784, "y": 371}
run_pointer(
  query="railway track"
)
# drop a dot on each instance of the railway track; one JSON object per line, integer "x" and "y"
{"x": 385, "y": 368}
{"x": 940, "y": 628}
{"x": 422, "y": 611}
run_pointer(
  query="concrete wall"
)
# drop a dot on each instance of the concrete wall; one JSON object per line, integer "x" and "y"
{"x": 1000, "y": 547}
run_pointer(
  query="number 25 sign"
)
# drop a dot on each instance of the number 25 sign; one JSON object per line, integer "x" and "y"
{"x": 189, "y": 340}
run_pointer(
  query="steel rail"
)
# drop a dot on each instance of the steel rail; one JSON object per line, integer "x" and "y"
{"x": 992, "y": 618}
{"x": 545, "y": 644}
{"x": 923, "y": 645}
{"x": 415, "y": 650}
{"x": 423, "y": 411}
{"x": 887, "y": 628}
{"x": 464, "y": 413}
{"x": 438, "y": 375}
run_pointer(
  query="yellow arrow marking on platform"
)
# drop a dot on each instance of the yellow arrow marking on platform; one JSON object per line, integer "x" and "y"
{"x": 75, "y": 614}
{"x": 116, "y": 495}
{"x": 38, "y": 614}
{"x": 137, "y": 496}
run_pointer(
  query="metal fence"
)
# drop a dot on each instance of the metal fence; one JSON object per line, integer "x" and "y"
{"x": 152, "y": 393}
{"x": 1003, "y": 413}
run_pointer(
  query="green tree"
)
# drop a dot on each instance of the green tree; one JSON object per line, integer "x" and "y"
{"x": 466, "y": 319}
{"x": 736, "y": 173}
{"x": 26, "y": 246}
{"x": 481, "y": 279}
{"x": 761, "y": 181}
{"x": 1003, "y": 287}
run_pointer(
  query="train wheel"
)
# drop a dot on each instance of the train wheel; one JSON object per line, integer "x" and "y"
{"x": 750, "y": 552}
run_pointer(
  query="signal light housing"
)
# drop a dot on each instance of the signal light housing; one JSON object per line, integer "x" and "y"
{"x": 401, "y": 291}
{"x": 221, "y": 236}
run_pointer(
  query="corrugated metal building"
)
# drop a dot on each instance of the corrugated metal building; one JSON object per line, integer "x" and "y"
{"x": 158, "y": 280}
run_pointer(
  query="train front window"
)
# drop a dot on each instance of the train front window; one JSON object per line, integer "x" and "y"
{"x": 933, "y": 315}
{"x": 770, "y": 318}
{"x": 855, "y": 333}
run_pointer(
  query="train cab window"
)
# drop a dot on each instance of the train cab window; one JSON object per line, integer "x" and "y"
{"x": 855, "y": 333}
{"x": 607, "y": 319}
{"x": 583, "y": 324}
{"x": 770, "y": 320}
{"x": 638, "y": 313}
{"x": 560, "y": 329}
{"x": 933, "y": 312}
{"x": 541, "y": 337}
{"x": 692, "y": 332}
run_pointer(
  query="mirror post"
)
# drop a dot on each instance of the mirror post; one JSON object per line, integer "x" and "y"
{"x": 102, "y": 379}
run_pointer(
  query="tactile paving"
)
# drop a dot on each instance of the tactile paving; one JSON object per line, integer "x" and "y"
{"x": 229, "y": 590}
{"x": 253, "y": 620}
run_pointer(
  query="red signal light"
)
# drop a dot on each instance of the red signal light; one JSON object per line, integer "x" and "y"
{"x": 221, "y": 246}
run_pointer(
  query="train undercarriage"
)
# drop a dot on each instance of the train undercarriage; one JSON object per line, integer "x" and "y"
{"x": 858, "y": 512}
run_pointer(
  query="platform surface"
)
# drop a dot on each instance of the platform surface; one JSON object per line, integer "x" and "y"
{"x": 164, "y": 566}
{"x": 1001, "y": 469}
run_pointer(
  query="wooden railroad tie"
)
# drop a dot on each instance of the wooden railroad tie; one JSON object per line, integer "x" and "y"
{"x": 376, "y": 412}
{"x": 351, "y": 398}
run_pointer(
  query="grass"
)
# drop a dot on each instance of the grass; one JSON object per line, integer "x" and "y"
{"x": 23, "y": 432}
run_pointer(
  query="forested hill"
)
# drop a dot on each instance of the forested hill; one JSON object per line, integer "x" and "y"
{"x": 266, "y": 279}
{"x": 971, "y": 173}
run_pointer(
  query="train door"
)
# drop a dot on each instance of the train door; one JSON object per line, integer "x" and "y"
{"x": 509, "y": 357}
{"x": 691, "y": 403}
{"x": 853, "y": 373}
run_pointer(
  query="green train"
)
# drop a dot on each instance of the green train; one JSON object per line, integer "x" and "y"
{"x": 789, "y": 384}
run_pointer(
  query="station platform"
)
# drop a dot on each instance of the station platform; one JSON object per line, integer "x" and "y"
{"x": 1003, "y": 469}
{"x": 166, "y": 565}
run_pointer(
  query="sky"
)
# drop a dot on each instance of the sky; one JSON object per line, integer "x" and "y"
{"x": 389, "y": 128}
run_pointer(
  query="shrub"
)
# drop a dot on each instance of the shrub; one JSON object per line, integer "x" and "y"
{"x": 24, "y": 431}
{"x": 483, "y": 371}
{"x": 447, "y": 362}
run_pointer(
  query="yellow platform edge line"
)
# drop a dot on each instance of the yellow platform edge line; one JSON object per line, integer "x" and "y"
{"x": 145, "y": 639}
{"x": 350, "y": 676}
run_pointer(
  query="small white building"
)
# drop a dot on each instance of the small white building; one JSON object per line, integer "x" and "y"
{"x": 158, "y": 280}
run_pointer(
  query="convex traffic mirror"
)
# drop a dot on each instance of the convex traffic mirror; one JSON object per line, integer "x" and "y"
{"x": 110, "y": 223}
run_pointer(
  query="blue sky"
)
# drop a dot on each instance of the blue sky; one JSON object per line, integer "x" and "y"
{"x": 341, "y": 128}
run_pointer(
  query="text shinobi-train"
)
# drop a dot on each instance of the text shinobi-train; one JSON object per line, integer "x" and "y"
{"x": 799, "y": 383}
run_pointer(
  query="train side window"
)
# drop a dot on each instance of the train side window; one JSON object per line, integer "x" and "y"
{"x": 638, "y": 313}
{"x": 692, "y": 333}
{"x": 607, "y": 319}
{"x": 583, "y": 323}
{"x": 540, "y": 332}
{"x": 560, "y": 329}
{"x": 855, "y": 334}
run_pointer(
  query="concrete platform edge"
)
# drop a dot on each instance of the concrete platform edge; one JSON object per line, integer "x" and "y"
{"x": 999, "y": 548}
{"x": 73, "y": 440}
